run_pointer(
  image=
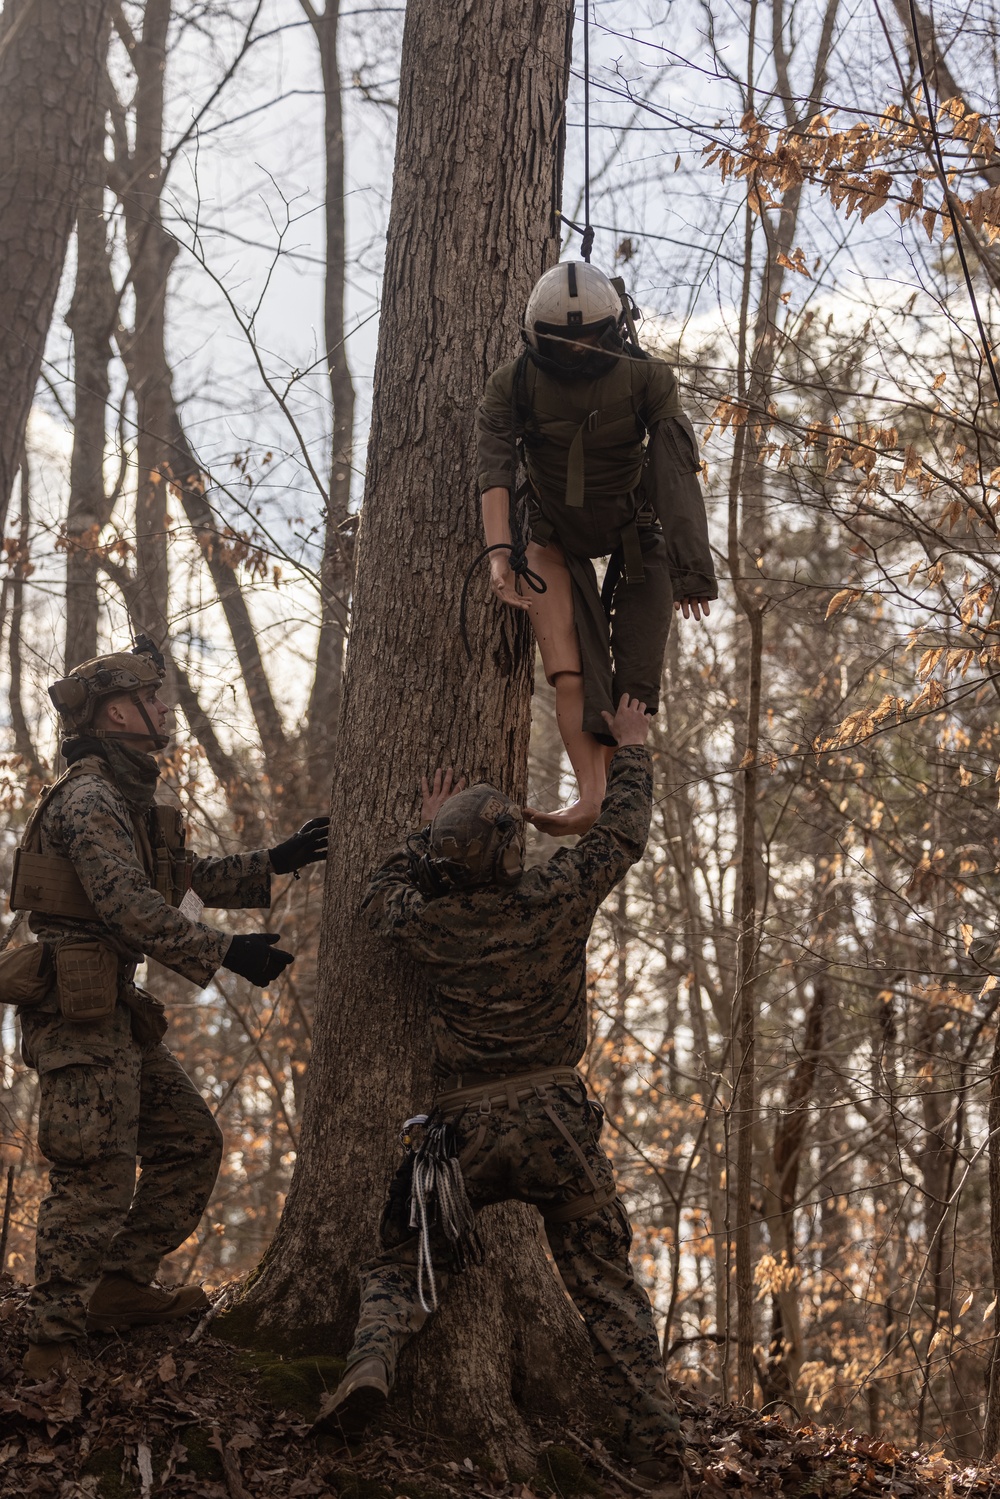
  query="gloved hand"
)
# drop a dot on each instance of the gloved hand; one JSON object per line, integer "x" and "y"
{"x": 256, "y": 958}
{"x": 307, "y": 846}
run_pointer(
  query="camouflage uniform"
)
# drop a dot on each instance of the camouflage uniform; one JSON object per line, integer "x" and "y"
{"x": 110, "y": 1090}
{"x": 508, "y": 969}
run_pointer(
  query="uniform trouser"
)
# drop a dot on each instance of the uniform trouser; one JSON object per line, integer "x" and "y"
{"x": 96, "y": 1117}
{"x": 625, "y": 654}
{"x": 524, "y": 1156}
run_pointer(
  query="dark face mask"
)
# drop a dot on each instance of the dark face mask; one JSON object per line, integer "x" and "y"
{"x": 578, "y": 361}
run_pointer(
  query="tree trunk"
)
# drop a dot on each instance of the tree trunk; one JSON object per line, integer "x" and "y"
{"x": 164, "y": 456}
{"x": 51, "y": 59}
{"x": 91, "y": 319}
{"x": 151, "y": 253}
{"x": 784, "y": 1356}
{"x": 478, "y": 168}
{"x": 991, "y": 1434}
{"x": 335, "y": 570}
{"x": 21, "y": 568}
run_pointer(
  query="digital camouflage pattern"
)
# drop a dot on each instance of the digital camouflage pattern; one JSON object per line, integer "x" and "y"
{"x": 508, "y": 975}
{"x": 523, "y": 1156}
{"x": 107, "y": 1097}
{"x": 508, "y": 966}
{"x": 113, "y": 1102}
{"x": 88, "y": 821}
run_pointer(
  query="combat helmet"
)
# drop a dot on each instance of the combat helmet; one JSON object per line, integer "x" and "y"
{"x": 78, "y": 694}
{"x": 574, "y": 301}
{"x": 477, "y": 838}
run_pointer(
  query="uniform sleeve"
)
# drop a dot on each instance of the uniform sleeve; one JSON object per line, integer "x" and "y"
{"x": 493, "y": 432}
{"x": 661, "y": 398}
{"x": 94, "y": 828}
{"x": 670, "y": 482}
{"x": 618, "y": 838}
{"x": 392, "y": 902}
{"x": 237, "y": 882}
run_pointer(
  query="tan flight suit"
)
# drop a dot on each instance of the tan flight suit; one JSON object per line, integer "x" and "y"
{"x": 600, "y": 490}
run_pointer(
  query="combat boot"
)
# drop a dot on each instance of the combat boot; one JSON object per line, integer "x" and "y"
{"x": 663, "y": 1474}
{"x": 118, "y": 1302}
{"x": 357, "y": 1400}
{"x": 43, "y": 1361}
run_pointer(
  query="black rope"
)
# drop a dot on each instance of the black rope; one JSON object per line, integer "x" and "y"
{"x": 943, "y": 174}
{"x": 587, "y": 243}
{"x": 518, "y": 566}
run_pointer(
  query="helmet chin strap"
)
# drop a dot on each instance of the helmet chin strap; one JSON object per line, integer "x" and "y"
{"x": 160, "y": 741}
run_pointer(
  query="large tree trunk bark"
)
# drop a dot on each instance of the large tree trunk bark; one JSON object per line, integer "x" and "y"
{"x": 91, "y": 319}
{"x": 51, "y": 59}
{"x": 335, "y": 570}
{"x": 165, "y": 458}
{"x": 478, "y": 166}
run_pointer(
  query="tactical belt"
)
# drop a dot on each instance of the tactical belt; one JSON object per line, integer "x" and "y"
{"x": 491, "y": 1093}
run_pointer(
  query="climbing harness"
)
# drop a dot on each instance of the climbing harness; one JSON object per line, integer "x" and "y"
{"x": 439, "y": 1198}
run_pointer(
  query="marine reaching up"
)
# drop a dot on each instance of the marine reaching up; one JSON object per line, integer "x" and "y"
{"x": 612, "y": 471}
{"x": 504, "y": 950}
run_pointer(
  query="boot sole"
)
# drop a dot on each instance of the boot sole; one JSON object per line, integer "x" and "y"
{"x": 355, "y": 1414}
{"x": 116, "y": 1322}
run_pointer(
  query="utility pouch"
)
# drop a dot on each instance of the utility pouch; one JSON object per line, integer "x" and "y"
{"x": 86, "y": 980}
{"x": 148, "y": 1016}
{"x": 173, "y": 863}
{"x": 25, "y": 974}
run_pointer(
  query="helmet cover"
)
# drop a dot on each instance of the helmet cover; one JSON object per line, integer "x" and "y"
{"x": 477, "y": 838}
{"x": 78, "y": 694}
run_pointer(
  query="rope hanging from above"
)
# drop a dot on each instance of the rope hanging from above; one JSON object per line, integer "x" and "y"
{"x": 587, "y": 242}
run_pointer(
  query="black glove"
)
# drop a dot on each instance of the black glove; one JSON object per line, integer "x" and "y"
{"x": 307, "y": 846}
{"x": 256, "y": 958}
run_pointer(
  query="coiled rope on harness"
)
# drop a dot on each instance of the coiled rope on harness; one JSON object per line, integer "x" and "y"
{"x": 439, "y": 1198}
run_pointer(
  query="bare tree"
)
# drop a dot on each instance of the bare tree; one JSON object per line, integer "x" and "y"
{"x": 464, "y": 247}
{"x": 52, "y": 57}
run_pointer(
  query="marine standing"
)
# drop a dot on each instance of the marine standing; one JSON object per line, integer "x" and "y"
{"x": 105, "y": 876}
{"x": 612, "y": 471}
{"x": 504, "y": 950}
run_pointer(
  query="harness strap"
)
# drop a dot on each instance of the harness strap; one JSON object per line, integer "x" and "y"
{"x": 581, "y": 1207}
{"x": 575, "y": 458}
{"x": 632, "y": 553}
{"x": 574, "y": 1145}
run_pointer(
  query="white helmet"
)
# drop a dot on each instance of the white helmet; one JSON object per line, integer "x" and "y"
{"x": 572, "y": 297}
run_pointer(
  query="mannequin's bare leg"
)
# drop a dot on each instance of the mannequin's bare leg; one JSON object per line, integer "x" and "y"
{"x": 552, "y": 620}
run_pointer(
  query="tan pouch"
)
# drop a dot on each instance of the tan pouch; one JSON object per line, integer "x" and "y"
{"x": 86, "y": 980}
{"x": 25, "y": 974}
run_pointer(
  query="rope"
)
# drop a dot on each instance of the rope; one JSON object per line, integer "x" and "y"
{"x": 587, "y": 242}
{"x": 439, "y": 1196}
{"x": 518, "y": 545}
{"x": 518, "y": 566}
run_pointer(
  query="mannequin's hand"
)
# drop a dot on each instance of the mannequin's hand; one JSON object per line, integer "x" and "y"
{"x": 504, "y": 583}
{"x": 693, "y": 608}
